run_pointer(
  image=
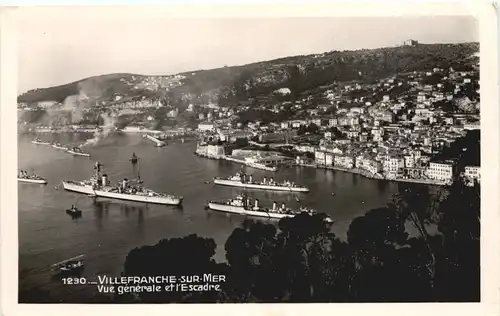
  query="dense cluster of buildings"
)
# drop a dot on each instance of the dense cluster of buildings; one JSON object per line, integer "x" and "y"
{"x": 155, "y": 83}
{"x": 392, "y": 136}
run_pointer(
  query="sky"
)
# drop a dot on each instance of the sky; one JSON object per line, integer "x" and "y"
{"x": 59, "y": 49}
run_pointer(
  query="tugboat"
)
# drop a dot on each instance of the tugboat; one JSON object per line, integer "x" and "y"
{"x": 100, "y": 186}
{"x": 23, "y": 176}
{"x": 241, "y": 204}
{"x": 134, "y": 159}
{"x": 243, "y": 180}
{"x": 73, "y": 211}
{"x": 72, "y": 265}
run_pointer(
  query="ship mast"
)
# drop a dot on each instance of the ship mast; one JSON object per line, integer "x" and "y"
{"x": 97, "y": 168}
{"x": 138, "y": 176}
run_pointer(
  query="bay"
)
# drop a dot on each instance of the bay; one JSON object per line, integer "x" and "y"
{"x": 109, "y": 229}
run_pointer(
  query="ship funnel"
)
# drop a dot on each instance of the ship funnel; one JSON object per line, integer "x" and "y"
{"x": 250, "y": 178}
{"x": 271, "y": 180}
{"x": 275, "y": 205}
{"x": 283, "y": 206}
{"x": 265, "y": 180}
{"x": 248, "y": 202}
{"x": 104, "y": 179}
{"x": 256, "y": 203}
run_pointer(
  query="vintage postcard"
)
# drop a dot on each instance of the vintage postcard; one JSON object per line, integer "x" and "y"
{"x": 249, "y": 154}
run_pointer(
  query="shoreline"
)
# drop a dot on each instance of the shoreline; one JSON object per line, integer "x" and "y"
{"x": 369, "y": 175}
{"x": 358, "y": 171}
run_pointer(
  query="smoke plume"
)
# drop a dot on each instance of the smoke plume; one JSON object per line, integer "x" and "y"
{"x": 99, "y": 135}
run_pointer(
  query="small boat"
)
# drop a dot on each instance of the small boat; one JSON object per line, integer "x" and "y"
{"x": 134, "y": 159}
{"x": 74, "y": 264}
{"x": 74, "y": 211}
{"x": 333, "y": 193}
{"x": 78, "y": 152}
{"x": 38, "y": 141}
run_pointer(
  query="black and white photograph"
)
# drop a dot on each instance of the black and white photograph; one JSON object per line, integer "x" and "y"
{"x": 288, "y": 159}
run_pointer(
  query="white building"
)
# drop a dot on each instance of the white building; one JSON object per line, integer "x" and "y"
{"x": 215, "y": 150}
{"x": 204, "y": 127}
{"x": 352, "y": 134}
{"x": 173, "y": 113}
{"x": 449, "y": 120}
{"x": 392, "y": 165}
{"x": 443, "y": 171}
{"x": 305, "y": 148}
{"x": 420, "y": 97}
{"x": 343, "y": 161}
{"x": 423, "y": 113}
{"x": 332, "y": 122}
{"x": 46, "y": 104}
{"x": 472, "y": 126}
{"x": 368, "y": 164}
{"x": 472, "y": 173}
{"x": 323, "y": 158}
{"x": 378, "y": 134}
{"x": 409, "y": 161}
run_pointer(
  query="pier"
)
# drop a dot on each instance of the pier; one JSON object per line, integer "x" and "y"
{"x": 158, "y": 142}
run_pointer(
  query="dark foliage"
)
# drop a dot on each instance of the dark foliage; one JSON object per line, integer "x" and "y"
{"x": 301, "y": 259}
{"x": 309, "y": 129}
{"x": 191, "y": 255}
{"x": 466, "y": 150}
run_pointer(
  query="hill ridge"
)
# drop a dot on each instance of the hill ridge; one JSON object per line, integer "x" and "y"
{"x": 262, "y": 77}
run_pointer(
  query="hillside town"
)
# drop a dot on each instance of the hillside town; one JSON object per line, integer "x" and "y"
{"x": 396, "y": 137}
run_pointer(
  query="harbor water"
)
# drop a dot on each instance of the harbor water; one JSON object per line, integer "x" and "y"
{"x": 109, "y": 229}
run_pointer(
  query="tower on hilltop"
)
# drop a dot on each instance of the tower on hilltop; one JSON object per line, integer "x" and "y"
{"x": 410, "y": 42}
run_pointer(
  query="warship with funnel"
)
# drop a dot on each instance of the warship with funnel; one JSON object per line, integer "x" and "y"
{"x": 243, "y": 180}
{"x": 242, "y": 204}
{"x": 129, "y": 190}
{"x": 23, "y": 176}
{"x": 38, "y": 141}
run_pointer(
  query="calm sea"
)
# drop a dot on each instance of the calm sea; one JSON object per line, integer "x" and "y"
{"x": 109, "y": 229}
